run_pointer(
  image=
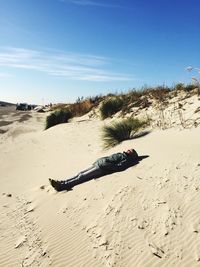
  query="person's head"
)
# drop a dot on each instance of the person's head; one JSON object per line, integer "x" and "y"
{"x": 131, "y": 152}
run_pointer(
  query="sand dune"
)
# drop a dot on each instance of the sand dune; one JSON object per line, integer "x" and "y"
{"x": 145, "y": 216}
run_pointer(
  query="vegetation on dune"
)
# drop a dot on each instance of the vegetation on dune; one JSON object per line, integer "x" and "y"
{"x": 110, "y": 106}
{"x": 57, "y": 117}
{"x": 81, "y": 107}
{"x": 117, "y": 132}
{"x": 63, "y": 112}
{"x": 186, "y": 88}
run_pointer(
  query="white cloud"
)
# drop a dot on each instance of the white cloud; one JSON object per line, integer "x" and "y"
{"x": 5, "y": 75}
{"x": 69, "y": 65}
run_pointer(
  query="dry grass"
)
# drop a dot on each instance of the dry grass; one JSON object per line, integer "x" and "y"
{"x": 81, "y": 108}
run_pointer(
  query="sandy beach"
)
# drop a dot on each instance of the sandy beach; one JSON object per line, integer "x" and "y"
{"x": 148, "y": 215}
{"x": 99, "y": 133}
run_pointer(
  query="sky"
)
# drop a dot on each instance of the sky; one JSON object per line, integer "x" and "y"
{"x": 54, "y": 51}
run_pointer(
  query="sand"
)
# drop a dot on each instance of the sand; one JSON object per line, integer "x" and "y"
{"x": 148, "y": 215}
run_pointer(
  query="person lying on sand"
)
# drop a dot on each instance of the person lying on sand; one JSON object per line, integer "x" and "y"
{"x": 105, "y": 165}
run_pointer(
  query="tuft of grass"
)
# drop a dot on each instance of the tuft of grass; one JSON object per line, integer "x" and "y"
{"x": 179, "y": 87}
{"x": 57, "y": 117}
{"x": 110, "y": 106}
{"x": 117, "y": 132}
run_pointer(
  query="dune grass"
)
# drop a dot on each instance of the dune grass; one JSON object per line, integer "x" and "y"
{"x": 117, "y": 132}
{"x": 110, "y": 106}
{"x": 57, "y": 117}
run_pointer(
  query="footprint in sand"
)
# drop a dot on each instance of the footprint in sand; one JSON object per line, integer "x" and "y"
{"x": 29, "y": 242}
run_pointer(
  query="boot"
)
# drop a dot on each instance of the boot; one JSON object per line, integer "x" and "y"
{"x": 60, "y": 185}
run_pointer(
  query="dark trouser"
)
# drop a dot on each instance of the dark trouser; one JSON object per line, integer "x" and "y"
{"x": 84, "y": 176}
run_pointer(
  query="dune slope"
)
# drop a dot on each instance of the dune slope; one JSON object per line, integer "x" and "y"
{"x": 147, "y": 215}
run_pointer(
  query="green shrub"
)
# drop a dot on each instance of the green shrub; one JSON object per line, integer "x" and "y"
{"x": 117, "y": 132}
{"x": 110, "y": 106}
{"x": 179, "y": 86}
{"x": 190, "y": 87}
{"x": 57, "y": 117}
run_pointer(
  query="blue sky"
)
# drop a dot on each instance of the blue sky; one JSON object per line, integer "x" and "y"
{"x": 59, "y": 50}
